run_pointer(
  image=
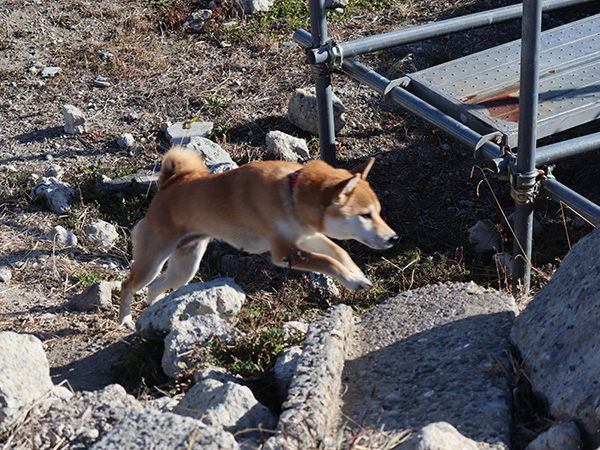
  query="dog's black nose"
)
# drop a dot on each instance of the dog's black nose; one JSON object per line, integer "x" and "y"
{"x": 394, "y": 239}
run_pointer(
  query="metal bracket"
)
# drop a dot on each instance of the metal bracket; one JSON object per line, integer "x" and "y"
{"x": 398, "y": 82}
{"x": 325, "y": 59}
{"x": 336, "y": 54}
{"x": 525, "y": 187}
{"x": 490, "y": 137}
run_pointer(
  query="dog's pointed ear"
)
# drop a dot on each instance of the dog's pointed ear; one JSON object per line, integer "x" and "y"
{"x": 346, "y": 188}
{"x": 364, "y": 168}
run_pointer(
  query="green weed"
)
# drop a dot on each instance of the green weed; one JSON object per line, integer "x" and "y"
{"x": 139, "y": 366}
{"x": 215, "y": 102}
{"x": 87, "y": 278}
{"x": 250, "y": 356}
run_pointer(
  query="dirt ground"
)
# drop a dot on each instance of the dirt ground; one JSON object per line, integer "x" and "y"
{"x": 430, "y": 187}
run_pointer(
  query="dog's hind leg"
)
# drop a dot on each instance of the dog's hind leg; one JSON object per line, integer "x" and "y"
{"x": 183, "y": 264}
{"x": 149, "y": 256}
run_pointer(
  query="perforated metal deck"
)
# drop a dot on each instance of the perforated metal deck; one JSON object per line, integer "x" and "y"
{"x": 482, "y": 90}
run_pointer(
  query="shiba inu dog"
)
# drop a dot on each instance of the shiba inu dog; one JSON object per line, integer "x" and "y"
{"x": 282, "y": 207}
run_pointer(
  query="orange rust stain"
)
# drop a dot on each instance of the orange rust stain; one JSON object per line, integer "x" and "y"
{"x": 502, "y": 105}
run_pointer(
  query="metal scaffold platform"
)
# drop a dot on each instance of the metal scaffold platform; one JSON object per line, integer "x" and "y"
{"x": 498, "y": 102}
{"x": 482, "y": 90}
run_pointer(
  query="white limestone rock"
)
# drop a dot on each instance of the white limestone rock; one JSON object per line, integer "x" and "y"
{"x": 286, "y": 147}
{"x": 24, "y": 375}
{"x": 74, "y": 120}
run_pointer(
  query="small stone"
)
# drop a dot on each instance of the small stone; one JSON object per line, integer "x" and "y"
{"x": 126, "y": 140}
{"x": 286, "y": 147}
{"x": 5, "y": 275}
{"x": 562, "y": 436}
{"x": 195, "y": 22}
{"x": 134, "y": 116}
{"x": 74, "y": 120}
{"x": 484, "y": 236}
{"x": 504, "y": 263}
{"x": 62, "y": 236}
{"x": 439, "y": 436}
{"x": 302, "y": 111}
{"x": 56, "y": 195}
{"x": 54, "y": 171}
{"x": 50, "y": 72}
{"x": 101, "y": 81}
{"x": 254, "y": 6}
{"x": 102, "y": 233}
{"x": 96, "y": 295}
{"x": 323, "y": 283}
{"x": 181, "y": 133}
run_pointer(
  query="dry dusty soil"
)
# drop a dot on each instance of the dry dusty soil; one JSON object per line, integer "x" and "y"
{"x": 239, "y": 73}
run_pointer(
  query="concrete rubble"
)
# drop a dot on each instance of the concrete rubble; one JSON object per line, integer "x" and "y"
{"x": 558, "y": 339}
{"x": 429, "y": 364}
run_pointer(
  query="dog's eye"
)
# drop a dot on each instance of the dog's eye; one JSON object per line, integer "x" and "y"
{"x": 366, "y": 216}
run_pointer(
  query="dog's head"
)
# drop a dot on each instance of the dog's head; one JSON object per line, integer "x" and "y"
{"x": 353, "y": 212}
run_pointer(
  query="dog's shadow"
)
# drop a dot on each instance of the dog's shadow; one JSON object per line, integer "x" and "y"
{"x": 92, "y": 372}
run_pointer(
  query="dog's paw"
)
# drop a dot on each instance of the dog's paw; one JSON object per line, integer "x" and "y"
{"x": 358, "y": 282}
{"x": 127, "y": 322}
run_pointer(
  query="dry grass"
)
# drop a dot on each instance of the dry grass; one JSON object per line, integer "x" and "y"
{"x": 424, "y": 179}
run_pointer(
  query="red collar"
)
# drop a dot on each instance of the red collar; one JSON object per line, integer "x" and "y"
{"x": 293, "y": 177}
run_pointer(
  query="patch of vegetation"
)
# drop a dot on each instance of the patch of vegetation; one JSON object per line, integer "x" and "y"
{"x": 251, "y": 355}
{"x": 124, "y": 209}
{"x": 16, "y": 188}
{"x": 407, "y": 269}
{"x": 139, "y": 366}
{"x": 215, "y": 102}
{"x": 85, "y": 279}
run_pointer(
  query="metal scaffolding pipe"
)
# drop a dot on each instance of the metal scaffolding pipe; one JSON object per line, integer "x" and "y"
{"x": 566, "y": 149}
{"x": 322, "y": 84}
{"x": 435, "y": 29}
{"x": 525, "y": 178}
{"x": 578, "y": 203}
{"x": 412, "y": 103}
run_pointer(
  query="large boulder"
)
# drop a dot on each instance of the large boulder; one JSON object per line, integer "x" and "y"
{"x": 432, "y": 355}
{"x": 147, "y": 428}
{"x": 24, "y": 376}
{"x": 221, "y": 402}
{"x": 222, "y": 297}
{"x": 216, "y": 159}
{"x": 73, "y": 421}
{"x": 189, "y": 334}
{"x": 191, "y": 316}
{"x": 557, "y": 335}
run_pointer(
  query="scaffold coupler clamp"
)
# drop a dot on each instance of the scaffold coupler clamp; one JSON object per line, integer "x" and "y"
{"x": 525, "y": 186}
{"x": 325, "y": 59}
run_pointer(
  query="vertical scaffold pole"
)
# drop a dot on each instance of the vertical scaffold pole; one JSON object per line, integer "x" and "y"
{"x": 321, "y": 73}
{"x": 524, "y": 180}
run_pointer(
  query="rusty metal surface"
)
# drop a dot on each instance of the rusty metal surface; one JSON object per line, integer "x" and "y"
{"x": 482, "y": 90}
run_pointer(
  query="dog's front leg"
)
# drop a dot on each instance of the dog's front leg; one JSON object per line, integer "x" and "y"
{"x": 320, "y": 243}
{"x": 291, "y": 256}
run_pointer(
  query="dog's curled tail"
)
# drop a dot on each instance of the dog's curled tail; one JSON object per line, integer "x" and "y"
{"x": 180, "y": 163}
